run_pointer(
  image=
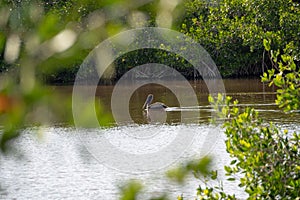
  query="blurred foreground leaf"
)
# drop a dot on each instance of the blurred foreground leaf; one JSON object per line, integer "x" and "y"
{"x": 131, "y": 190}
{"x": 197, "y": 167}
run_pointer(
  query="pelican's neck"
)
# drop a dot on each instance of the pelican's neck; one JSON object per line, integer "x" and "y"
{"x": 148, "y": 101}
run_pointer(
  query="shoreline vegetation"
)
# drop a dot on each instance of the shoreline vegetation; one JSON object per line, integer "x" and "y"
{"x": 232, "y": 32}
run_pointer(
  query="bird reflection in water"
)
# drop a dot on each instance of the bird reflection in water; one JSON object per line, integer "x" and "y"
{"x": 156, "y": 112}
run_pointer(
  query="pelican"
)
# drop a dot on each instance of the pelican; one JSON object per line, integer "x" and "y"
{"x": 155, "y": 106}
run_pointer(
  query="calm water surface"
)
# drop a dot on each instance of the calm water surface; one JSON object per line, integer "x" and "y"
{"x": 68, "y": 163}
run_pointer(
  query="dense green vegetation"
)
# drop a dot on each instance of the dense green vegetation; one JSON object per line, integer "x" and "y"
{"x": 286, "y": 77}
{"x": 231, "y": 31}
{"x": 94, "y": 21}
{"x": 265, "y": 159}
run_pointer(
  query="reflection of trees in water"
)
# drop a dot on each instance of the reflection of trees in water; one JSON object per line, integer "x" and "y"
{"x": 155, "y": 71}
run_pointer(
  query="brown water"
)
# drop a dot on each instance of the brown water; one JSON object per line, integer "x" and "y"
{"x": 249, "y": 93}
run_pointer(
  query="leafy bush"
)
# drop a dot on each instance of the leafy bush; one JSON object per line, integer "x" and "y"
{"x": 286, "y": 77}
{"x": 266, "y": 157}
{"x": 233, "y": 31}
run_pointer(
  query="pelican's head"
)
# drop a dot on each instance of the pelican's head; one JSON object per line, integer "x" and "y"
{"x": 148, "y": 101}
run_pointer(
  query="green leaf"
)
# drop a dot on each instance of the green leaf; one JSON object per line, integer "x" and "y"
{"x": 228, "y": 169}
{"x": 231, "y": 179}
{"x": 267, "y": 44}
{"x": 130, "y": 190}
{"x": 233, "y": 162}
{"x": 214, "y": 175}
